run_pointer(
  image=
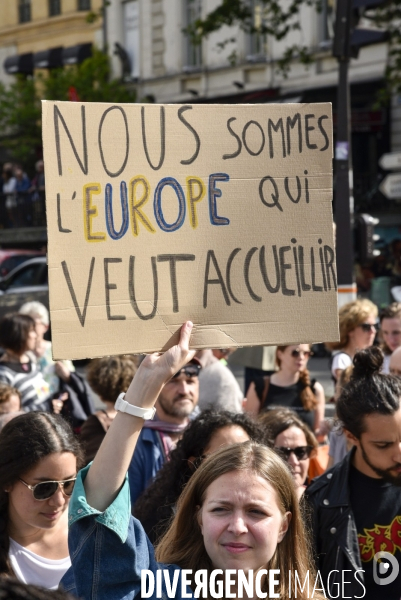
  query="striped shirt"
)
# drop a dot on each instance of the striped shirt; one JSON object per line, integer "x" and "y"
{"x": 29, "y": 381}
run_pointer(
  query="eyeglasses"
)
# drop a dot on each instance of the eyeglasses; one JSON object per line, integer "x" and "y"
{"x": 191, "y": 370}
{"x": 297, "y": 353}
{"x": 45, "y": 489}
{"x": 367, "y": 327}
{"x": 301, "y": 452}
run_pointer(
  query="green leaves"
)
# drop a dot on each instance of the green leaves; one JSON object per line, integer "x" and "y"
{"x": 20, "y": 110}
{"x": 274, "y": 18}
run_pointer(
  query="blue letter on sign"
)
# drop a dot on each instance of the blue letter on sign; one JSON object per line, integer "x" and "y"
{"x": 158, "y": 205}
{"x": 116, "y": 235}
{"x": 213, "y": 194}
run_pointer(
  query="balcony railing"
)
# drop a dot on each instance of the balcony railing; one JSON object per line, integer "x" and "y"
{"x": 22, "y": 209}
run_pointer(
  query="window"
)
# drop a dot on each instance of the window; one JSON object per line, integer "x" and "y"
{"x": 192, "y": 52}
{"x": 257, "y": 39}
{"x": 327, "y": 19}
{"x": 84, "y": 4}
{"x": 24, "y": 10}
{"x": 26, "y": 277}
{"x": 54, "y": 8}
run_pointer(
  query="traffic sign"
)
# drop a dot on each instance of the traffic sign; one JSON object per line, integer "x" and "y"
{"x": 391, "y": 161}
{"x": 391, "y": 186}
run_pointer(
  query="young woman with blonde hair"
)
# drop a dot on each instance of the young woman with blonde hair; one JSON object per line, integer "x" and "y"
{"x": 358, "y": 327}
{"x": 238, "y": 511}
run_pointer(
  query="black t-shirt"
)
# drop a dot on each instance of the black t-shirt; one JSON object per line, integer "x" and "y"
{"x": 376, "y": 505}
{"x": 288, "y": 396}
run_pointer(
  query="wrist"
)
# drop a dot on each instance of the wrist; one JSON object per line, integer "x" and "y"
{"x": 122, "y": 405}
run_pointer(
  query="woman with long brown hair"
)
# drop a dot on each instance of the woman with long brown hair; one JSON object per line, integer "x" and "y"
{"x": 39, "y": 459}
{"x": 238, "y": 511}
{"x": 290, "y": 387}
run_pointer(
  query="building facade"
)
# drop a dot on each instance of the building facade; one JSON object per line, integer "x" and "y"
{"x": 37, "y": 34}
{"x": 232, "y": 66}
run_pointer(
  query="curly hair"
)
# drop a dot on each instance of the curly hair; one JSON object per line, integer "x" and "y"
{"x": 350, "y": 316}
{"x": 6, "y": 391}
{"x": 111, "y": 375}
{"x": 159, "y": 499}
{"x": 368, "y": 391}
{"x": 24, "y": 442}
{"x": 308, "y": 398}
{"x": 393, "y": 311}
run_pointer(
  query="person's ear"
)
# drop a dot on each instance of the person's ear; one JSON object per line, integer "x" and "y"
{"x": 284, "y": 526}
{"x": 350, "y": 437}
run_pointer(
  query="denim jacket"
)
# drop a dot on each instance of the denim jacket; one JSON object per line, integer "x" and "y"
{"x": 108, "y": 550}
{"x": 148, "y": 458}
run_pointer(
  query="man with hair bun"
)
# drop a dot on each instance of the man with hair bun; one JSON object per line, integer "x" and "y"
{"x": 357, "y": 504}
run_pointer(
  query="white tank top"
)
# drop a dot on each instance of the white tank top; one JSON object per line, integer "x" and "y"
{"x": 34, "y": 569}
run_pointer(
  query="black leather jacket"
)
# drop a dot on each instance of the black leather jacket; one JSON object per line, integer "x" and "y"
{"x": 335, "y": 538}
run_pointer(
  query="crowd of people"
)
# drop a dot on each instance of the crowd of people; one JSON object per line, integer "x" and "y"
{"x": 187, "y": 472}
{"x": 21, "y": 196}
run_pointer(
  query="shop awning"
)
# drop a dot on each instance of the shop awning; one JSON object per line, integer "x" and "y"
{"x": 48, "y": 59}
{"x": 20, "y": 63}
{"x": 76, "y": 54}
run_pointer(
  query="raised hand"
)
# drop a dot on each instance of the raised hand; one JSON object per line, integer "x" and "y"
{"x": 157, "y": 368}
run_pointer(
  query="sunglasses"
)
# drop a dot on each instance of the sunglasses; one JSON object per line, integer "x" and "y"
{"x": 297, "y": 353}
{"x": 301, "y": 452}
{"x": 45, "y": 489}
{"x": 367, "y": 327}
{"x": 191, "y": 370}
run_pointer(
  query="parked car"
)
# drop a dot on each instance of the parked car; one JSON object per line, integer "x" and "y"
{"x": 10, "y": 259}
{"x": 25, "y": 283}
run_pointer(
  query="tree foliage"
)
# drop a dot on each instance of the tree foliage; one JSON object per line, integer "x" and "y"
{"x": 20, "y": 110}
{"x": 282, "y": 17}
{"x": 388, "y": 18}
{"x": 279, "y": 19}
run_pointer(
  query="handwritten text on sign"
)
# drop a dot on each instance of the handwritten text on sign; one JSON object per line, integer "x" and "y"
{"x": 219, "y": 214}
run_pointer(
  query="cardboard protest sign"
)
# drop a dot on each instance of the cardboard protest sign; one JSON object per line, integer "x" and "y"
{"x": 216, "y": 213}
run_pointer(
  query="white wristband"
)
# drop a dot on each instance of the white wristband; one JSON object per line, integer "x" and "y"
{"x": 123, "y": 406}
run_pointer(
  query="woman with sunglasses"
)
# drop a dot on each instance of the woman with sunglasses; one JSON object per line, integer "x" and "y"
{"x": 290, "y": 387}
{"x": 39, "y": 459}
{"x": 239, "y": 511}
{"x": 358, "y": 327}
{"x": 293, "y": 441}
{"x": 207, "y": 433}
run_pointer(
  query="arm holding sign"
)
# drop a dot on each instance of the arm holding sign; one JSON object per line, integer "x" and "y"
{"x": 109, "y": 548}
{"x": 108, "y": 471}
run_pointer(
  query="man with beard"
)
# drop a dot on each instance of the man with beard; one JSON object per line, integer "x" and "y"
{"x": 159, "y": 436}
{"x": 357, "y": 504}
